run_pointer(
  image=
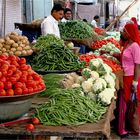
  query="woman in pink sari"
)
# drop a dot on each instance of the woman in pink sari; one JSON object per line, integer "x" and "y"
{"x": 130, "y": 58}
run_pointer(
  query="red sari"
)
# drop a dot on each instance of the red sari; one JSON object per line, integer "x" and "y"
{"x": 124, "y": 97}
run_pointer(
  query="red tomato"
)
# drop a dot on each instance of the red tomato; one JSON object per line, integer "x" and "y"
{"x": 8, "y": 85}
{"x": 0, "y": 74}
{"x": 13, "y": 80}
{"x": 35, "y": 120}
{"x": 10, "y": 92}
{"x": 22, "y": 61}
{"x": 30, "y": 83}
{"x": 24, "y": 67}
{"x": 2, "y": 92}
{"x": 9, "y": 73}
{"x": 30, "y": 127}
{"x": 15, "y": 63}
{"x": 24, "y": 73}
{"x": 23, "y": 78}
{"x": 5, "y": 66}
{"x": 3, "y": 79}
{"x": 29, "y": 77}
{"x": 4, "y": 73}
{"x": 3, "y": 57}
{"x": 30, "y": 90}
{"x": 18, "y": 85}
{"x": 36, "y": 76}
{"x": 25, "y": 90}
{"x": 13, "y": 68}
{"x": 1, "y": 85}
{"x": 18, "y": 91}
{"x": 12, "y": 58}
{"x": 35, "y": 89}
{"x": 42, "y": 85}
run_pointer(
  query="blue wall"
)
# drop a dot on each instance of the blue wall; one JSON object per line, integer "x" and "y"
{"x": 41, "y": 8}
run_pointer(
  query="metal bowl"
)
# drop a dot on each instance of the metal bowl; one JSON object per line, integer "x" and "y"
{"x": 13, "y": 107}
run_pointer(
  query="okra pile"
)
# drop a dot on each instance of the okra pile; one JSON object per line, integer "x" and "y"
{"x": 69, "y": 107}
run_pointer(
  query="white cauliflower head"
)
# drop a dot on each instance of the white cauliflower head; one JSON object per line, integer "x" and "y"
{"x": 80, "y": 79}
{"x": 95, "y": 63}
{"x": 99, "y": 85}
{"x": 94, "y": 75}
{"x": 110, "y": 80}
{"x": 87, "y": 86}
{"x": 106, "y": 95}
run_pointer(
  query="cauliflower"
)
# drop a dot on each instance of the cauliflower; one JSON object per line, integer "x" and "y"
{"x": 80, "y": 79}
{"x": 90, "y": 80}
{"x": 110, "y": 80}
{"x": 104, "y": 68}
{"x": 92, "y": 96}
{"x": 99, "y": 85}
{"x": 95, "y": 63}
{"x": 76, "y": 85}
{"x": 94, "y": 75}
{"x": 106, "y": 95}
{"x": 87, "y": 86}
{"x": 86, "y": 73}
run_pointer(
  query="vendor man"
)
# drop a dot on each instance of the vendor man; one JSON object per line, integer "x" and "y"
{"x": 67, "y": 15}
{"x": 50, "y": 24}
{"x": 95, "y": 21}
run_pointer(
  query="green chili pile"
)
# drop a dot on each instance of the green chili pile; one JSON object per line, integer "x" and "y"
{"x": 69, "y": 107}
{"x": 56, "y": 57}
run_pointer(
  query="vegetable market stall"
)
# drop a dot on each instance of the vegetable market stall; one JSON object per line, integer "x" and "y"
{"x": 101, "y": 129}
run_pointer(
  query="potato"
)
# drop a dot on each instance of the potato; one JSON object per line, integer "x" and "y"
{"x": 11, "y": 53}
{"x": 9, "y": 42}
{"x": 24, "y": 53}
{"x": 27, "y": 47}
{"x": 7, "y": 47}
{"x": 17, "y": 53}
{"x": 14, "y": 33}
{"x": 15, "y": 45}
{"x": 14, "y": 37}
{"x": 7, "y": 38}
{"x": 2, "y": 40}
{"x": 0, "y": 52}
{"x": 3, "y": 50}
{"x": 29, "y": 52}
{"x": 5, "y": 53}
{"x": 13, "y": 49}
{"x": 1, "y": 45}
{"x": 19, "y": 48}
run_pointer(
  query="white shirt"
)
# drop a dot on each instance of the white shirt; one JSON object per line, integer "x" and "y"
{"x": 64, "y": 20}
{"x": 50, "y": 26}
{"x": 94, "y": 23}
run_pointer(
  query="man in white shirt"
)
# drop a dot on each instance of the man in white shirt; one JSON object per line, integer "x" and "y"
{"x": 67, "y": 15}
{"x": 50, "y": 24}
{"x": 95, "y": 21}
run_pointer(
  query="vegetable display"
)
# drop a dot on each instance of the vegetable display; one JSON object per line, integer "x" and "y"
{"x": 17, "y": 78}
{"x": 14, "y": 44}
{"x": 111, "y": 61}
{"x": 75, "y": 29}
{"x": 69, "y": 107}
{"x": 99, "y": 43}
{"x": 56, "y": 57}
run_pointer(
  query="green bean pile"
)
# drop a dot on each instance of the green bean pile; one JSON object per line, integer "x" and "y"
{"x": 69, "y": 107}
{"x": 56, "y": 57}
{"x": 48, "y": 40}
{"x": 75, "y": 29}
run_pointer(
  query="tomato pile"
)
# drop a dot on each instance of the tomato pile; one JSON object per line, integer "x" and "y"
{"x": 99, "y": 31}
{"x": 17, "y": 78}
{"x": 99, "y": 43}
{"x": 87, "y": 57}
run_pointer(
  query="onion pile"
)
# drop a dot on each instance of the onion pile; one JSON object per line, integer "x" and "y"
{"x": 14, "y": 44}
